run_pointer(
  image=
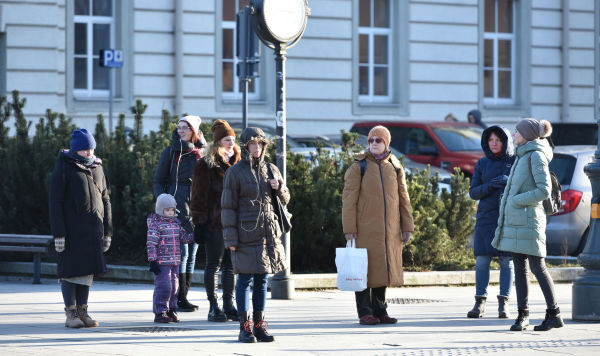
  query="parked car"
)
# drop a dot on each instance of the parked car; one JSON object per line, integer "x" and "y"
{"x": 567, "y": 230}
{"x": 440, "y": 144}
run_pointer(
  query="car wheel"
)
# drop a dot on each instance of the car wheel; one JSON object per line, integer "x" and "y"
{"x": 582, "y": 242}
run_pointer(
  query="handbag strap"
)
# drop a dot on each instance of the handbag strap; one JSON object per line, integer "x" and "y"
{"x": 351, "y": 243}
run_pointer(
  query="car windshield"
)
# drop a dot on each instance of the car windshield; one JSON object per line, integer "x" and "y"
{"x": 460, "y": 138}
{"x": 563, "y": 166}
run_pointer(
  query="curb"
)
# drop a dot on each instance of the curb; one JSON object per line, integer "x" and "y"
{"x": 301, "y": 281}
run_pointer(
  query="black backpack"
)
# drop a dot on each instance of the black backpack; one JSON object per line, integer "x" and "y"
{"x": 551, "y": 204}
{"x": 363, "y": 166}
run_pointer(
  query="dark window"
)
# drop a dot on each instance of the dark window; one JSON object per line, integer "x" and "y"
{"x": 413, "y": 141}
{"x": 563, "y": 166}
{"x": 460, "y": 138}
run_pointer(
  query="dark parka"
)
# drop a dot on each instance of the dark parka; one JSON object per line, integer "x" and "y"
{"x": 207, "y": 187}
{"x": 247, "y": 214}
{"x": 174, "y": 171}
{"x": 486, "y": 169}
{"x": 80, "y": 212}
{"x": 377, "y": 208}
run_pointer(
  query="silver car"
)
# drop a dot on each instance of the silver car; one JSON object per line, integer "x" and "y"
{"x": 567, "y": 230}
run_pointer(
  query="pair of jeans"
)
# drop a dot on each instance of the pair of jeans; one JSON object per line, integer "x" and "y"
{"x": 259, "y": 292}
{"x": 482, "y": 275}
{"x": 74, "y": 294}
{"x": 218, "y": 258}
{"x": 538, "y": 267}
{"x": 188, "y": 257}
{"x": 166, "y": 286}
{"x": 371, "y": 301}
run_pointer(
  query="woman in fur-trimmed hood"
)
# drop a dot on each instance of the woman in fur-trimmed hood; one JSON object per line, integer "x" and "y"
{"x": 207, "y": 187}
{"x": 251, "y": 228}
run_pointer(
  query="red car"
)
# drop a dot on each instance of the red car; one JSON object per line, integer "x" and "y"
{"x": 441, "y": 144}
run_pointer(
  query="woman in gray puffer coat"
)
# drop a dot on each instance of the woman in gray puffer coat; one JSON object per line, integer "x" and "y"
{"x": 251, "y": 229}
{"x": 174, "y": 176}
{"x": 522, "y": 222}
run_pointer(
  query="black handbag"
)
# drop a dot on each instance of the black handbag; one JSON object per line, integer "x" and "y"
{"x": 284, "y": 217}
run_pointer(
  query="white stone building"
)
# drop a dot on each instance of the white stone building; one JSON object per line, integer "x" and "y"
{"x": 358, "y": 60}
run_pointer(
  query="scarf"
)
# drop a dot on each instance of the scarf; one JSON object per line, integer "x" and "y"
{"x": 86, "y": 161}
{"x": 380, "y": 156}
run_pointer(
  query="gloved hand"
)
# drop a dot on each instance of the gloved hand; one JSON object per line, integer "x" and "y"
{"x": 59, "y": 244}
{"x": 499, "y": 182}
{"x": 350, "y": 237}
{"x": 406, "y": 236}
{"x": 106, "y": 243}
{"x": 200, "y": 233}
{"x": 154, "y": 267}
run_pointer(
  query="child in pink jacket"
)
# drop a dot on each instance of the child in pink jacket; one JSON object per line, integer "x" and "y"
{"x": 165, "y": 234}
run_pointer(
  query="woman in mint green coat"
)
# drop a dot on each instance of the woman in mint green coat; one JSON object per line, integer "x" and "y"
{"x": 522, "y": 222}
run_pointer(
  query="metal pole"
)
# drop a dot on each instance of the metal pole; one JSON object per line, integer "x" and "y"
{"x": 110, "y": 99}
{"x": 282, "y": 286}
{"x": 245, "y": 102}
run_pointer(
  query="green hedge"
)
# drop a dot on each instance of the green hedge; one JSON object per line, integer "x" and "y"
{"x": 443, "y": 220}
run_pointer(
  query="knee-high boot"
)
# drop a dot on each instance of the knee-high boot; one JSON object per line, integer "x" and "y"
{"x": 182, "y": 303}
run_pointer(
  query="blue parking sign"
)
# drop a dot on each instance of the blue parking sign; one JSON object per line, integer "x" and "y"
{"x": 112, "y": 58}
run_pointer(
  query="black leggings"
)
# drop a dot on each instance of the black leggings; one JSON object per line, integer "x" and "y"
{"x": 74, "y": 293}
{"x": 538, "y": 267}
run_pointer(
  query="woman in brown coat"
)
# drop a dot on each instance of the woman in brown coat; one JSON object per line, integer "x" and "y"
{"x": 377, "y": 213}
{"x": 207, "y": 186}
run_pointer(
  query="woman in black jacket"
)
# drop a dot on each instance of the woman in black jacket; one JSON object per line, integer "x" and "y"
{"x": 174, "y": 176}
{"x": 81, "y": 223}
{"x": 487, "y": 185}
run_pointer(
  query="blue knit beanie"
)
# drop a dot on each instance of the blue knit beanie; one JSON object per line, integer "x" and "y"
{"x": 82, "y": 140}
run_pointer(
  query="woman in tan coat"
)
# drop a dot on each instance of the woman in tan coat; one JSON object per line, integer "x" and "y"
{"x": 377, "y": 213}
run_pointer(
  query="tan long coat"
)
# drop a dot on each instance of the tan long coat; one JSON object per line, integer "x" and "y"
{"x": 377, "y": 208}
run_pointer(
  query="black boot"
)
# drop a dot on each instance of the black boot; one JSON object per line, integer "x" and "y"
{"x": 260, "y": 327}
{"x": 215, "y": 313}
{"x": 246, "y": 334}
{"x": 551, "y": 321}
{"x": 522, "y": 321}
{"x": 502, "y": 307}
{"x": 478, "y": 310}
{"x": 182, "y": 304}
{"x": 230, "y": 310}
{"x": 188, "y": 283}
{"x": 228, "y": 287}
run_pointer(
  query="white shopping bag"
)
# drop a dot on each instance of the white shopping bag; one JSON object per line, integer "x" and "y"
{"x": 352, "y": 266}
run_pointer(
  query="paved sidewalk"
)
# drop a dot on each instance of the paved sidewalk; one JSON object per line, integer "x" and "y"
{"x": 315, "y": 323}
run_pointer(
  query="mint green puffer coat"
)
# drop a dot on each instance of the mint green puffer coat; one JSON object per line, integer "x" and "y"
{"x": 522, "y": 222}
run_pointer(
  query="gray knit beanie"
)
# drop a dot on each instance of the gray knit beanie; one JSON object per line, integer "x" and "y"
{"x": 164, "y": 201}
{"x": 531, "y": 129}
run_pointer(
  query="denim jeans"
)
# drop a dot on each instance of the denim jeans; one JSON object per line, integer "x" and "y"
{"x": 482, "y": 275}
{"x": 259, "y": 292}
{"x": 538, "y": 267}
{"x": 188, "y": 257}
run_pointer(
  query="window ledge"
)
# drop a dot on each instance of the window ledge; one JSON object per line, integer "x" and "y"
{"x": 96, "y": 99}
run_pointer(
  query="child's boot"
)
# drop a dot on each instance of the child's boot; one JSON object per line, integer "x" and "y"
{"x": 162, "y": 318}
{"x": 171, "y": 313}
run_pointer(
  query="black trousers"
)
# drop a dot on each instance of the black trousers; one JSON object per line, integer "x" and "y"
{"x": 538, "y": 267}
{"x": 371, "y": 301}
{"x": 218, "y": 258}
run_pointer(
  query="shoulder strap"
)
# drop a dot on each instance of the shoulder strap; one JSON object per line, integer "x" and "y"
{"x": 270, "y": 171}
{"x": 363, "y": 167}
{"x": 394, "y": 165}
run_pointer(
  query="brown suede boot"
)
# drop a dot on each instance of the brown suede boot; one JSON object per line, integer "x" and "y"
{"x": 85, "y": 317}
{"x": 73, "y": 320}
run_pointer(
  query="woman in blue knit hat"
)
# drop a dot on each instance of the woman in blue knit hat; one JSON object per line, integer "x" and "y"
{"x": 81, "y": 223}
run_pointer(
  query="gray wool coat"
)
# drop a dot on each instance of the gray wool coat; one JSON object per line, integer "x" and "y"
{"x": 522, "y": 222}
{"x": 247, "y": 214}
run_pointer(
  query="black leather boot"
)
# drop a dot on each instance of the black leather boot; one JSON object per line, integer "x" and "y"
{"x": 228, "y": 288}
{"x": 260, "y": 327}
{"x": 246, "y": 334}
{"x": 188, "y": 284}
{"x": 215, "y": 313}
{"x": 551, "y": 321}
{"x": 478, "y": 310}
{"x": 522, "y": 321}
{"x": 503, "y": 307}
{"x": 182, "y": 303}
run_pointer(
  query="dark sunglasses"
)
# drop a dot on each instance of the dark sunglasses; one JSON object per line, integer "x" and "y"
{"x": 376, "y": 140}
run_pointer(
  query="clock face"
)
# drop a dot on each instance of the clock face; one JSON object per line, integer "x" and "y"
{"x": 285, "y": 19}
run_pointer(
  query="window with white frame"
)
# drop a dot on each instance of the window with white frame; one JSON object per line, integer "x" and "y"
{"x": 232, "y": 88}
{"x": 499, "y": 55}
{"x": 93, "y": 30}
{"x": 375, "y": 51}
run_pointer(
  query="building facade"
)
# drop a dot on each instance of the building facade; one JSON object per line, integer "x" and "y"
{"x": 358, "y": 60}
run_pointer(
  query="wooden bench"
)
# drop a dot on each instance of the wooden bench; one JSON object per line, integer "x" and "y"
{"x": 36, "y": 244}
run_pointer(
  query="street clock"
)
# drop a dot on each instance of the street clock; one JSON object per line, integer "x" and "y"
{"x": 280, "y": 21}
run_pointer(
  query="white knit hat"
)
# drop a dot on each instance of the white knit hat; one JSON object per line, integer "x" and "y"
{"x": 165, "y": 201}
{"x": 194, "y": 122}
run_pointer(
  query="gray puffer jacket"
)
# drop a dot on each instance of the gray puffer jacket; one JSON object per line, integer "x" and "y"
{"x": 247, "y": 215}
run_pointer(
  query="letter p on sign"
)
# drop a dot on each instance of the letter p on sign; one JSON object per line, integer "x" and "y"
{"x": 111, "y": 58}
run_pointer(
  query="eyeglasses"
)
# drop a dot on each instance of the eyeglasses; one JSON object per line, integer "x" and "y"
{"x": 376, "y": 140}
{"x": 183, "y": 128}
